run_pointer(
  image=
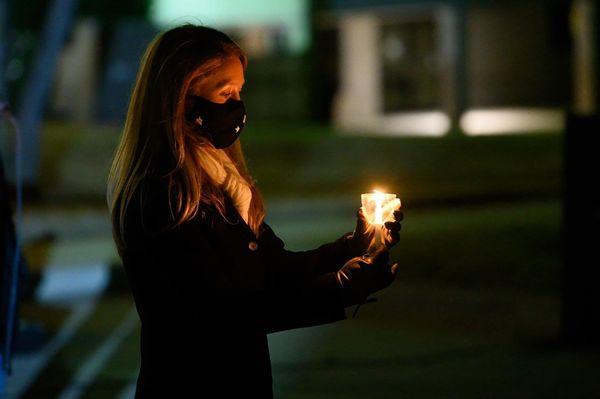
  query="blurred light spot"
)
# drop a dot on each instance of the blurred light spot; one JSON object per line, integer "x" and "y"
{"x": 291, "y": 15}
{"x": 64, "y": 284}
{"x": 425, "y": 123}
{"x": 511, "y": 120}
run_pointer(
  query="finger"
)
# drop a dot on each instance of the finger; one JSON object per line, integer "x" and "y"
{"x": 361, "y": 220}
{"x": 392, "y": 239}
{"x": 394, "y": 226}
{"x": 394, "y": 270}
{"x": 355, "y": 260}
{"x": 361, "y": 213}
{"x": 398, "y": 215}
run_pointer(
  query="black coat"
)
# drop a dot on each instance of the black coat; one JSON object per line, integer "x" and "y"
{"x": 208, "y": 292}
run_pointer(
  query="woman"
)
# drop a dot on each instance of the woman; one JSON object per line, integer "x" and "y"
{"x": 209, "y": 277}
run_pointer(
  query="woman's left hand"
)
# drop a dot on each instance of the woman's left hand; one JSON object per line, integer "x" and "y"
{"x": 362, "y": 238}
{"x": 391, "y": 233}
{"x": 363, "y": 234}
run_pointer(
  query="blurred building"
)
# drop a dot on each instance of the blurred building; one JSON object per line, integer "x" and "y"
{"x": 76, "y": 78}
{"x": 391, "y": 67}
{"x": 96, "y": 72}
{"x": 274, "y": 34}
{"x": 422, "y": 67}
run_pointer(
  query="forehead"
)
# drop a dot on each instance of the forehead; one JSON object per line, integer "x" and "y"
{"x": 230, "y": 72}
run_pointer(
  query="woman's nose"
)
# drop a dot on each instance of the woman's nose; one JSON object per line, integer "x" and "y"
{"x": 236, "y": 95}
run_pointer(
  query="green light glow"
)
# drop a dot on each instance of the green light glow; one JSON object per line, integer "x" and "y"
{"x": 290, "y": 14}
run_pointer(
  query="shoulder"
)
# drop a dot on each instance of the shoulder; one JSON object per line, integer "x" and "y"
{"x": 151, "y": 214}
{"x": 146, "y": 209}
{"x": 268, "y": 236}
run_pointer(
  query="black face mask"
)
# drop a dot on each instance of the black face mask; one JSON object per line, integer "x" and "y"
{"x": 222, "y": 123}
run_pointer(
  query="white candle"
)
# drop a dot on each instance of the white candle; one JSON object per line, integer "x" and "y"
{"x": 379, "y": 208}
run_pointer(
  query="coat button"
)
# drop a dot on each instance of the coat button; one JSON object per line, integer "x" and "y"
{"x": 253, "y": 245}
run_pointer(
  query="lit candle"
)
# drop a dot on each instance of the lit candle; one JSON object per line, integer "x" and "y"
{"x": 379, "y": 208}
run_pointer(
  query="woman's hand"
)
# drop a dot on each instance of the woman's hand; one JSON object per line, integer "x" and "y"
{"x": 364, "y": 275}
{"x": 391, "y": 234}
{"x": 363, "y": 234}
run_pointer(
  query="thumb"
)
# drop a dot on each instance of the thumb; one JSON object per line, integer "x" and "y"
{"x": 362, "y": 223}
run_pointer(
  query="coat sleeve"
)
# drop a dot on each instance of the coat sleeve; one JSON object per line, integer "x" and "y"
{"x": 328, "y": 257}
{"x": 283, "y": 291}
{"x": 304, "y": 290}
{"x": 279, "y": 288}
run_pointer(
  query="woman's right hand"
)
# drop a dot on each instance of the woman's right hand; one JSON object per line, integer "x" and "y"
{"x": 363, "y": 234}
{"x": 364, "y": 275}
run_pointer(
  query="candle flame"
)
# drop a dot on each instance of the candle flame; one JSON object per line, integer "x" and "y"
{"x": 378, "y": 198}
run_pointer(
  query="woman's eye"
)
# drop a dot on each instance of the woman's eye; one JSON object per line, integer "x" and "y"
{"x": 229, "y": 93}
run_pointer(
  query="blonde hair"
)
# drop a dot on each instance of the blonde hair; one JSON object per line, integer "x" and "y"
{"x": 157, "y": 139}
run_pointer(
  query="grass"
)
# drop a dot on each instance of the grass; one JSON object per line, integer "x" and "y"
{"x": 420, "y": 169}
{"x": 513, "y": 245}
{"x": 313, "y": 160}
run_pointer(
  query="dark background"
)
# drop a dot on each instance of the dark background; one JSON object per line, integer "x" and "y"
{"x": 496, "y": 294}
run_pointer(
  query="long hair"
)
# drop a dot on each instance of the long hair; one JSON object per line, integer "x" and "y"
{"x": 157, "y": 139}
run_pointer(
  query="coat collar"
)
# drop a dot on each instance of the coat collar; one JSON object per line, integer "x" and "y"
{"x": 234, "y": 216}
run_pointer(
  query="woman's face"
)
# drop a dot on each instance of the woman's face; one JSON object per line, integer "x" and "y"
{"x": 223, "y": 83}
